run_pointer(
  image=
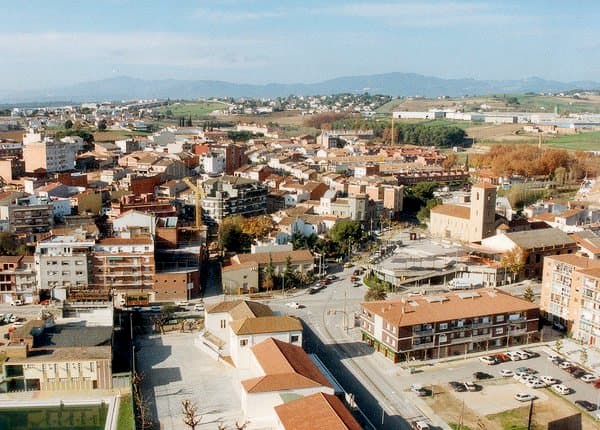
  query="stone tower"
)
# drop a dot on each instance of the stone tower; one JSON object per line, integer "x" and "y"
{"x": 483, "y": 212}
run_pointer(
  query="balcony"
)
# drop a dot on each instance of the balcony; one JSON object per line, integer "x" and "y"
{"x": 422, "y": 332}
{"x": 422, "y": 345}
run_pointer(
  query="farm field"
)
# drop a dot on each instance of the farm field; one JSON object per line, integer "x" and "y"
{"x": 193, "y": 109}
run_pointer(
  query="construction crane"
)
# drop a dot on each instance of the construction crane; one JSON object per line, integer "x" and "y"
{"x": 198, "y": 194}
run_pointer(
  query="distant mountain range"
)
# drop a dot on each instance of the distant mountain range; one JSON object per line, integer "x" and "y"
{"x": 394, "y": 84}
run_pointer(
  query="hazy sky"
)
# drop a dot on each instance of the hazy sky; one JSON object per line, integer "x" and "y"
{"x": 49, "y": 43}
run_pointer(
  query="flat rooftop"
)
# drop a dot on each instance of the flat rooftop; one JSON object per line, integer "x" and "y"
{"x": 74, "y": 335}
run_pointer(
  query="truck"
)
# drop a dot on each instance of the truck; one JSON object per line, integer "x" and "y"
{"x": 462, "y": 284}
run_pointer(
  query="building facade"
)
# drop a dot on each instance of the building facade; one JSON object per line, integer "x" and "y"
{"x": 448, "y": 325}
{"x": 231, "y": 195}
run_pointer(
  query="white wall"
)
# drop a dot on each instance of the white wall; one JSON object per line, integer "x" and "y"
{"x": 242, "y": 355}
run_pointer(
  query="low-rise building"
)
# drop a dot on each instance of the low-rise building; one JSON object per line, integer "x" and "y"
{"x": 446, "y": 325}
{"x": 280, "y": 370}
{"x": 59, "y": 358}
{"x": 244, "y": 272}
{"x": 233, "y": 328}
{"x": 17, "y": 279}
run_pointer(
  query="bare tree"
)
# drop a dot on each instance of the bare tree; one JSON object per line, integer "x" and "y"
{"x": 142, "y": 408}
{"x": 191, "y": 418}
{"x": 239, "y": 426}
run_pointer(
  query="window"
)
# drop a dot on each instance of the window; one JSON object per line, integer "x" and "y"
{"x": 243, "y": 342}
{"x": 498, "y": 330}
{"x": 443, "y": 338}
{"x": 294, "y": 338}
{"x": 223, "y": 324}
{"x": 443, "y": 326}
{"x": 499, "y": 318}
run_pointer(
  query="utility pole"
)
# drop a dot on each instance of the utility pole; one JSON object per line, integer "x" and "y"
{"x": 345, "y": 314}
{"x": 530, "y": 415}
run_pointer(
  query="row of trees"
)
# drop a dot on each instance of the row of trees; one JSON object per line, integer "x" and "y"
{"x": 529, "y": 160}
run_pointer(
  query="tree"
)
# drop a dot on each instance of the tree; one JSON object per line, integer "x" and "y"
{"x": 583, "y": 357}
{"x": 191, "y": 418}
{"x": 514, "y": 260}
{"x": 344, "y": 233}
{"x": 269, "y": 279}
{"x": 529, "y": 294}
{"x": 102, "y": 126}
{"x": 140, "y": 402}
{"x": 450, "y": 161}
{"x": 232, "y": 238}
{"x": 258, "y": 227}
{"x": 424, "y": 213}
{"x": 68, "y": 124}
{"x": 9, "y": 245}
{"x": 375, "y": 293}
{"x": 558, "y": 345}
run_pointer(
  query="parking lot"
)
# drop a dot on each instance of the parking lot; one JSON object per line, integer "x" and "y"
{"x": 496, "y": 395}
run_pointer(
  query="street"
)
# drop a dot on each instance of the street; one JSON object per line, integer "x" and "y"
{"x": 371, "y": 378}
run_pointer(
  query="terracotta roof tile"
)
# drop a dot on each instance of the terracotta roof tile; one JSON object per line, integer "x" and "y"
{"x": 317, "y": 411}
{"x": 285, "y": 367}
{"x": 265, "y": 324}
{"x": 430, "y": 309}
{"x": 453, "y": 210}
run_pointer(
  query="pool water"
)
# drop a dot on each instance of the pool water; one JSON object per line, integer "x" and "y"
{"x": 88, "y": 417}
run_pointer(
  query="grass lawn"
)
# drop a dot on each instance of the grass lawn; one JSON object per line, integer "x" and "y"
{"x": 455, "y": 426}
{"x": 548, "y": 103}
{"x": 515, "y": 419}
{"x": 195, "y": 109}
{"x": 577, "y": 142}
{"x": 126, "y": 420}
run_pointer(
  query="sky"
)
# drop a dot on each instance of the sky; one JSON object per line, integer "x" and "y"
{"x": 45, "y": 44}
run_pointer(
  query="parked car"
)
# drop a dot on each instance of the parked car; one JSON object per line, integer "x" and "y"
{"x": 562, "y": 389}
{"x": 293, "y": 305}
{"x": 525, "y": 397}
{"x": 577, "y": 372}
{"x": 553, "y": 357}
{"x": 506, "y": 372}
{"x": 536, "y": 383}
{"x": 482, "y": 375}
{"x": 488, "y": 360}
{"x": 524, "y": 355}
{"x": 565, "y": 364}
{"x": 199, "y": 307}
{"x": 155, "y": 308}
{"x": 419, "y": 390}
{"x": 501, "y": 358}
{"x": 514, "y": 356}
{"x": 420, "y": 425}
{"x": 457, "y": 386}
{"x": 588, "y": 377}
{"x": 314, "y": 290}
{"x": 348, "y": 265}
{"x": 470, "y": 386}
{"x": 16, "y": 303}
{"x": 588, "y": 406}
{"x": 549, "y": 380}
{"x": 331, "y": 277}
{"x": 13, "y": 318}
{"x": 558, "y": 326}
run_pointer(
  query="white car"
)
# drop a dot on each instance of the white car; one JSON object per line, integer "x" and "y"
{"x": 506, "y": 372}
{"x": 536, "y": 383}
{"x": 487, "y": 360}
{"x": 565, "y": 365}
{"x": 562, "y": 389}
{"x": 549, "y": 380}
{"x": 553, "y": 357}
{"x": 526, "y": 379}
{"x": 588, "y": 377}
{"x": 525, "y": 397}
{"x": 293, "y": 305}
{"x": 513, "y": 355}
{"x": 470, "y": 386}
{"x": 199, "y": 307}
{"x": 522, "y": 354}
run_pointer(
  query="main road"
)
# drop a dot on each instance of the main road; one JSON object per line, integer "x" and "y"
{"x": 332, "y": 334}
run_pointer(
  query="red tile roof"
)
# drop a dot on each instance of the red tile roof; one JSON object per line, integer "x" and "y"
{"x": 317, "y": 411}
{"x": 286, "y": 367}
{"x": 453, "y": 210}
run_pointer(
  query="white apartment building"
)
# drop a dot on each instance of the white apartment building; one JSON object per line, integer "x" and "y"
{"x": 63, "y": 262}
{"x": 45, "y": 153}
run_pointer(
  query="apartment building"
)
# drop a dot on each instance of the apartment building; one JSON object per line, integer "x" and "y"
{"x": 64, "y": 263}
{"x": 124, "y": 266}
{"x": 232, "y": 195}
{"x": 562, "y": 288}
{"x": 447, "y": 325}
{"x": 47, "y": 154}
{"x": 17, "y": 279}
{"x": 586, "y": 328}
{"x": 30, "y": 217}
